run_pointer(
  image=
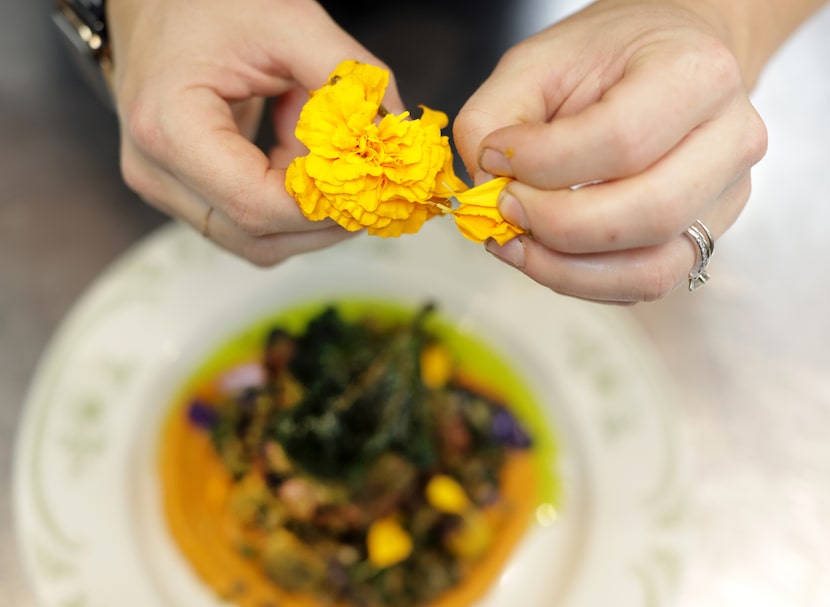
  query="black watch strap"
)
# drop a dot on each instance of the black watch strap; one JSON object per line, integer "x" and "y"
{"x": 82, "y": 24}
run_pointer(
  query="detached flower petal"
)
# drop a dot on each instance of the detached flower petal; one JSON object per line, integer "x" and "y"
{"x": 478, "y": 217}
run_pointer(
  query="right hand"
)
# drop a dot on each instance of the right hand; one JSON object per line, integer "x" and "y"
{"x": 645, "y": 106}
{"x": 190, "y": 80}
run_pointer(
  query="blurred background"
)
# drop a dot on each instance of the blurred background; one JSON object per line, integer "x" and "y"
{"x": 749, "y": 354}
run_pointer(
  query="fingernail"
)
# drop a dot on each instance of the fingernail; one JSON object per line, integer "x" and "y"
{"x": 495, "y": 163}
{"x": 481, "y": 177}
{"x": 512, "y": 251}
{"x": 511, "y": 209}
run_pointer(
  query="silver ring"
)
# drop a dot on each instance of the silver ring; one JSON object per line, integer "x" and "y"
{"x": 702, "y": 237}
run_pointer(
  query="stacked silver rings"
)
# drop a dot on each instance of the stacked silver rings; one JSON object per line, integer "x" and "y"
{"x": 702, "y": 237}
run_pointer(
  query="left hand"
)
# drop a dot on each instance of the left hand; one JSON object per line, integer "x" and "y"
{"x": 647, "y": 105}
{"x": 189, "y": 85}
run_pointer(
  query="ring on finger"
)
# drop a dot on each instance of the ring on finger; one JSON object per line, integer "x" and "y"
{"x": 206, "y": 223}
{"x": 702, "y": 237}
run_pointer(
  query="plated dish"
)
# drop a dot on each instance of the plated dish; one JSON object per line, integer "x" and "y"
{"x": 88, "y": 497}
{"x": 356, "y": 454}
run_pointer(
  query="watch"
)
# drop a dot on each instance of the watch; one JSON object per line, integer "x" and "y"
{"x": 83, "y": 27}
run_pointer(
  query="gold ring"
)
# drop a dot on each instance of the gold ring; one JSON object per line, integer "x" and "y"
{"x": 205, "y": 222}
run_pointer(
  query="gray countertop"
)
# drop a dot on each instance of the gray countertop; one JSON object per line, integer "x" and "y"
{"x": 750, "y": 353}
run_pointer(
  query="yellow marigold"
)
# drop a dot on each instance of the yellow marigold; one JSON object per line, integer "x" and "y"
{"x": 478, "y": 217}
{"x": 366, "y": 168}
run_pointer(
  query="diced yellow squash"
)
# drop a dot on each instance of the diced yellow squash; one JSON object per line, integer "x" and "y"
{"x": 471, "y": 539}
{"x": 388, "y": 543}
{"x": 445, "y": 494}
{"x": 436, "y": 366}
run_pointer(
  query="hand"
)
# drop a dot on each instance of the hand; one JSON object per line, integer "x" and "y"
{"x": 190, "y": 81}
{"x": 645, "y": 103}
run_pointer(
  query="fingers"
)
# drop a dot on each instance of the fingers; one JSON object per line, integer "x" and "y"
{"x": 648, "y": 208}
{"x": 626, "y": 276}
{"x": 269, "y": 249}
{"x": 170, "y": 196}
{"x": 617, "y": 136}
{"x": 198, "y": 144}
{"x": 623, "y": 241}
{"x": 493, "y": 106}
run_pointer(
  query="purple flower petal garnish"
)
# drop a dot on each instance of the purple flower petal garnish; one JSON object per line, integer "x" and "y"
{"x": 202, "y": 415}
{"x": 507, "y": 430}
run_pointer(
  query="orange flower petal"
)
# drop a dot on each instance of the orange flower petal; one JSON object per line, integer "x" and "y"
{"x": 434, "y": 117}
{"x": 478, "y": 217}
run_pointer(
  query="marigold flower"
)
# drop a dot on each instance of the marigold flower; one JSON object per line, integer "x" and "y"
{"x": 387, "y": 173}
{"x": 478, "y": 216}
{"x": 364, "y": 172}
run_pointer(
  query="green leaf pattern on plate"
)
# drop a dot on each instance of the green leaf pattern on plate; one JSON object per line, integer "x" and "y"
{"x": 82, "y": 438}
{"x": 659, "y": 570}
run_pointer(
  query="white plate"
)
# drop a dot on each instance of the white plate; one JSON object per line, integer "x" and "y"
{"x": 86, "y": 499}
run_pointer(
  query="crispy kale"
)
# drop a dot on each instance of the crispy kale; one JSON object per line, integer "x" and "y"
{"x": 363, "y": 397}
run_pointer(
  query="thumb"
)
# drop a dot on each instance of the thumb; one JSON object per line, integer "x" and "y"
{"x": 508, "y": 97}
